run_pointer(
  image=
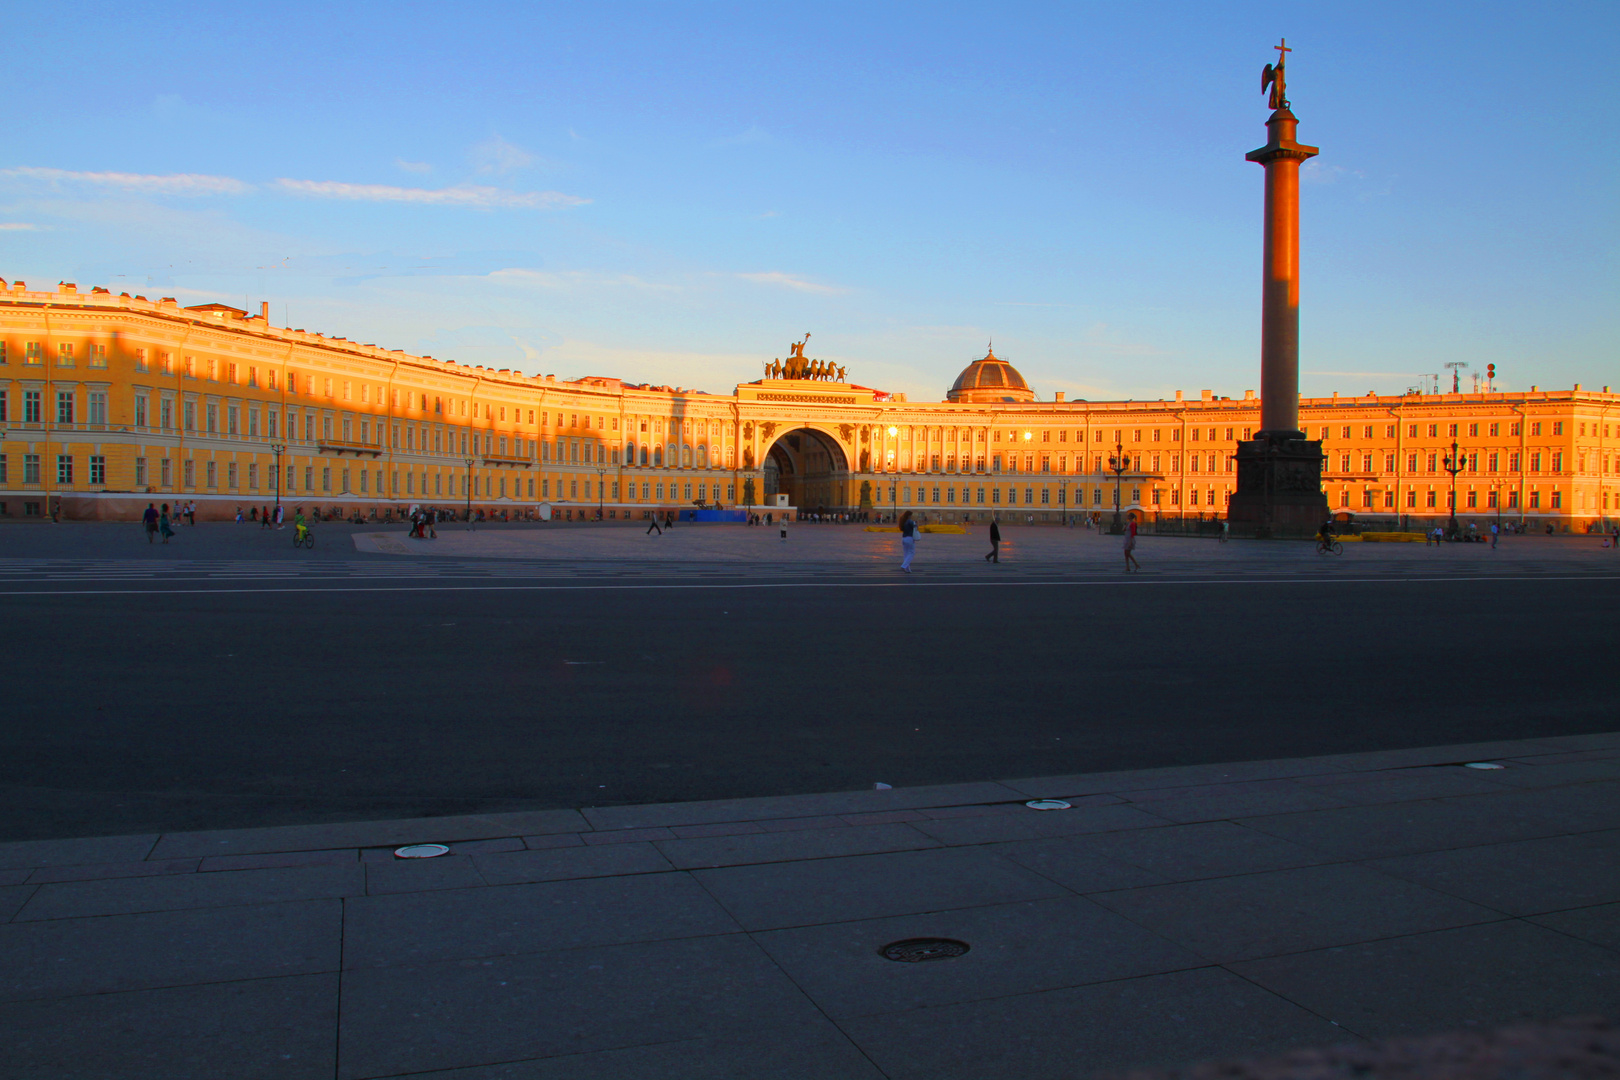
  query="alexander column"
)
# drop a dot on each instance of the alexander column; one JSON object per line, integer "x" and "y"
{"x": 1279, "y": 471}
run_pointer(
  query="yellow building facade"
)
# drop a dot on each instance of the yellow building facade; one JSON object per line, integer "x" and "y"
{"x": 108, "y": 402}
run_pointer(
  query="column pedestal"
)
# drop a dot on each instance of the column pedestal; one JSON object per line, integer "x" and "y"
{"x": 1279, "y": 486}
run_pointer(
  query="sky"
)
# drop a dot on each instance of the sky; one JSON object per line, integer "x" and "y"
{"x": 672, "y": 193}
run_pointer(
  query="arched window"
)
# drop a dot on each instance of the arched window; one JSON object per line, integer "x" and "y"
{"x": 630, "y": 453}
{"x": 686, "y": 457}
{"x": 644, "y": 455}
{"x": 658, "y": 456}
{"x": 703, "y": 457}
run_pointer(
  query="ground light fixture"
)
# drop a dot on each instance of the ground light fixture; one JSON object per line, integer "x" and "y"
{"x": 421, "y": 851}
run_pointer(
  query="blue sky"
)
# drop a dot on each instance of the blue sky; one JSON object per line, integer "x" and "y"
{"x": 673, "y": 192}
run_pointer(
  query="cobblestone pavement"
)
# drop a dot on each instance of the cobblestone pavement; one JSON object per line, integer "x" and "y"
{"x": 1165, "y": 916}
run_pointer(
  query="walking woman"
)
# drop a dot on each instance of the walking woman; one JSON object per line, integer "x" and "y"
{"x": 163, "y": 523}
{"x": 908, "y": 541}
{"x": 1130, "y": 546}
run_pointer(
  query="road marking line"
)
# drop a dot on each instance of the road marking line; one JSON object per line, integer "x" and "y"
{"x": 910, "y": 584}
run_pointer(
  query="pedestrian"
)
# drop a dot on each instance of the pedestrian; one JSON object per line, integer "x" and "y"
{"x": 150, "y": 521}
{"x": 163, "y": 522}
{"x": 994, "y": 554}
{"x": 908, "y": 541}
{"x": 281, "y": 515}
{"x": 1130, "y": 546}
{"x": 653, "y": 526}
{"x": 191, "y": 512}
{"x": 239, "y": 515}
{"x": 783, "y": 526}
{"x": 1494, "y": 533}
{"x": 1226, "y": 527}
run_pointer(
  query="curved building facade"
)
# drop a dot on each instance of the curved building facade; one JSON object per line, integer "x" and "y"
{"x": 110, "y": 401}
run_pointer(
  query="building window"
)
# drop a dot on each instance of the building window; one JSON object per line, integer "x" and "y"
{"x": 98, "y": 407}
{"x": 97, "y": 355}
{"x": 1430, "y": 502}
{"x": 211, "y": 471}
{"x": 33, "y": 353}
{"x": 1535, "y": 500}
{"x": 64, "y": 355}
{"x": 98, "y": 469}
{"x": 253, "y": 477}
{"x": 31, "y": 406}
{"x": 140, "y": 472}
{"x": 309, "y": 478}
{"x": 167, "y": 472}
{"x": 64, "y": 468}
{"x": 30, "y": 468}
{"x": 64, "y": 406}
{"x": 211, "y": 414}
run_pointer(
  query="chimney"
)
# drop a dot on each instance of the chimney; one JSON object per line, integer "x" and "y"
{"x": 1206, "y": 395}
{"x": 1178, "y": 395}
{"x": 1248, "y": 395}
{"x": 1058, "y": 397}
{"x": 264, "y": 311}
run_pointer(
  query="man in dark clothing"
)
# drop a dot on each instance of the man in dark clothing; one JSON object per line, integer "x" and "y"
{"x": 150, "y": 520}
{"x": 995, "y": 543}
{"x": 654, "y": 526}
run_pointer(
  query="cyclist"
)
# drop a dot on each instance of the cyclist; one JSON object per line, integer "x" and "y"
{"x": 1324, "y": 536}
{"x": 300, "y": 527}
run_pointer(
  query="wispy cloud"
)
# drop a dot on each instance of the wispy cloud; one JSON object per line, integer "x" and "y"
{"x": 474, "y": 196}
{"x": 170, "y": 184}
{"x": 496, "y": 155}
{"x": 17, "y": 226}
{"x": 798, "y": 284}
{"x": 412, "y": 166}
{"x": 568, "y": 279}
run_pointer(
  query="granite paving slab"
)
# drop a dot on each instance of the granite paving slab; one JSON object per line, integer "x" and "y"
{"x": 77, "y": 899}
{"x": 360, "y": 834}
{"x": 74, "y": 852}
{"x": 556, "y": 864}
{"x": 1165, "y": 1019}
{"x": 260, "y": 1029}
{"x": 812, "y": 1051}
{"x": 1389, "y": 829}
{"x": 428, "y": 927}
{"x": 1209, "y": 849}
{"x": 1034, "y": 824}
{"x": 1476, "y": 976}
{"x": 110, "y": 954}
{"x": 770, "y": 896}
{"x": 1599, "y": 924}
{"x": 1255, "y": 915}
{"x": 416, "y": 875}
{"x": 1527, "y": 877}
{"x": 1073, "y": 864}
{"x": 1014, "y": 949}
{"x": 788, "y": 846}
{"x": 784, "y": 806}
{"x": 413, "y": 1018}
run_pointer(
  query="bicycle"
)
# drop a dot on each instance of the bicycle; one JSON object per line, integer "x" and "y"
{"x": 304, "y": 537}
{"x": 1329, "y": 547}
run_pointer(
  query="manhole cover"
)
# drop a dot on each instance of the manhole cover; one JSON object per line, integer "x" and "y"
{"x": 916, "y": 950}
{"x": 1047, "y": 804}
{"x": 421, "y": 851}
{"x": 1483, "y": 765}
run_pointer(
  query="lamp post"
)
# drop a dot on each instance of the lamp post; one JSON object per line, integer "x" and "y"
{"x": 469, "y": 462}
{"x": 1454, "y": 465}
{"x": 278, "y": 449}
{"x": 1118, "y": 463}
{"x": 601, "y": 490}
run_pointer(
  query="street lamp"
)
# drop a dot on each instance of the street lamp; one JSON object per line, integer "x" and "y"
{"x": 1118, "y": 463}
{"x": 278, "y": 449}
{"x": 601, "y": 489}
{"x": 469, "y": 488}
{"x": 1454, "y": 465}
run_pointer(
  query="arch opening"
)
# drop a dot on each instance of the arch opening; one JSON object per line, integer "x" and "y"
{"x": 810, "y": 468}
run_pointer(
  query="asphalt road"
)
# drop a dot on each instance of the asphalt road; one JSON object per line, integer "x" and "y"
{"x": 175, "y": 707}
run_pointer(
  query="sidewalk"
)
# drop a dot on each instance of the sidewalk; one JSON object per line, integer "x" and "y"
{"x": 1168, "y": 916}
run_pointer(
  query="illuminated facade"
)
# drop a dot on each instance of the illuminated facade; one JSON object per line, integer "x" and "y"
{"x": 108, "y": 402}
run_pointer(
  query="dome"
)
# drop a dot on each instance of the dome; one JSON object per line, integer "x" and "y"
{"x": 990, "y": 379}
